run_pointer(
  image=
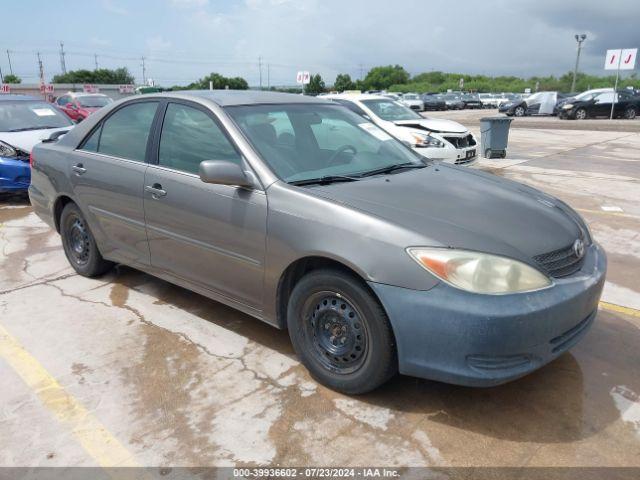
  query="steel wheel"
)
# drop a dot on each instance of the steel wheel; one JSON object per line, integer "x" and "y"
{"x": 337, "y": 335}
{"x": 79, "y": 241}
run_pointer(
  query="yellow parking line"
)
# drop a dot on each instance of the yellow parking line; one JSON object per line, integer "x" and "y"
{"x": 632, "y": 312}
{"x": 103, "y": 447}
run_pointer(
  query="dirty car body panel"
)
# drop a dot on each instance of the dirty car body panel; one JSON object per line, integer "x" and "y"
{"x": 238, "y": 244}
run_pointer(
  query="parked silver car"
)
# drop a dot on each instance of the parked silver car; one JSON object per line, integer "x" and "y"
{"x": 305, "y": 215}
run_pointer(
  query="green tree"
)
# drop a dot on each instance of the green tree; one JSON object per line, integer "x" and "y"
{"x": 343, "y": 82}
{"x": 219, "y": 82}
{"x": 380, "y": 78}
{"x": 102, "y": 75}
{"x": 315, "y": 85}
{"x": 11, "y": 78}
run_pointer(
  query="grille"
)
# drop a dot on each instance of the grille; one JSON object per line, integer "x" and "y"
{"x": 463, "y": 161}
{"x": 461, "y": 142}
{"x": 560, "y": 263}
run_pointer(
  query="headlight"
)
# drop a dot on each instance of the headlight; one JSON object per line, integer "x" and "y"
{"x": 426, "y": 141}
{"x": 479, "y": 272}
{"x": 7, "y": 150}
{"x": 567, "y": 106}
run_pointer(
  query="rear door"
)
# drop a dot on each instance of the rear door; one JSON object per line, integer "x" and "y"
{"x": 107, "y": 173}
{"x": 212, "y": 236}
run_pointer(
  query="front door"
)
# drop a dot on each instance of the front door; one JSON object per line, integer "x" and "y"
{"x": 107, "y": 173}
{"x": 213, "y": 236}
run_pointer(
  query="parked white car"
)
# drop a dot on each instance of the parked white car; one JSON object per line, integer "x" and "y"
{"x": 435, "y": 139}
{"x": 413, "y": 101}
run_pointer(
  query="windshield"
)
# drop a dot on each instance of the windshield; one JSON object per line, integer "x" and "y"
{"x": 391, "y": 111}
{"x": 308, "y": 141}
{"x": 93, "y": 102}
{"x": 451, "y": 96}
{"x": 30, "y": 115}
{"x": 585, "y": 96}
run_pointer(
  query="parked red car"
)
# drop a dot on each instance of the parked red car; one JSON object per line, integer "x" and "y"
{"x": 79, "y": 106}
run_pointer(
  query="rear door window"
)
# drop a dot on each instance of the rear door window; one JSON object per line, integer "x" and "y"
{"x": 125, "y": 133}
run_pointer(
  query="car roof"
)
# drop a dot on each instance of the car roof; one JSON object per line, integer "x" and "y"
{"x": 358, "y": 96}
{"x": 225, "y": 98}
{"x": 14, "y": 97}
{"x": 85, "y": 94}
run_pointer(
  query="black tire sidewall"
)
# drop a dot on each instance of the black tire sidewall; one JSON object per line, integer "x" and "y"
{"x": 96, "y": 265}
{"x": 381, "y": 359}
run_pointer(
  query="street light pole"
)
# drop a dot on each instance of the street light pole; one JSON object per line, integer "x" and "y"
{"x": 579, "y": 39}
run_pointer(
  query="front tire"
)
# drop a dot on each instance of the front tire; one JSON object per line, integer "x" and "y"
{"x": 581, "y": 114}
{"x": 340, "y": 332}
{"x": 519, "y": 111}
{"x": 79, "y": 244}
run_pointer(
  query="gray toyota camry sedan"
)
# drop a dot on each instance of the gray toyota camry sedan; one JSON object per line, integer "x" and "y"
{"x": 304, "y": 215}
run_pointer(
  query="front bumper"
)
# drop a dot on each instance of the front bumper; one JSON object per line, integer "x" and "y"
{"x": 15, "y": 175}
{"x": 449, "y": 153}
{"x": 453, "y": 336}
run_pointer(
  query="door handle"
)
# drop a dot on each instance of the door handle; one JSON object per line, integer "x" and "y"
{"x": 79, "y": 169}
{"x": 155, "y": 190}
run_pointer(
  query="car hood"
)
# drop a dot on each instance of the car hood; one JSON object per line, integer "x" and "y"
{"x": 433, "y": 125}
{"x": 25, "y": 141}
{"x": 456, "y": 207}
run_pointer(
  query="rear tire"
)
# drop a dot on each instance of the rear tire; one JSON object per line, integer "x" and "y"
{"x": 630, "y": 113}
{"x": 79, "y": 244}
{"x": 340, "y": 332}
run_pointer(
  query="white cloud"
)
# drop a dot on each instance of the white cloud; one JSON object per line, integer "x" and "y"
{"x": 189, "y": 3}
{"x": 111, "y": 7}
{"x": 157, "y": 42}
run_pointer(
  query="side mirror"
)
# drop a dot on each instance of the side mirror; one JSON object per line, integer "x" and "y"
{"x": 222, "y": 172}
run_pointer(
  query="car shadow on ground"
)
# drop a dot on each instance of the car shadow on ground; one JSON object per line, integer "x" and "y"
{"x": 568, "y": 400}
{"x": 14, "y": 199}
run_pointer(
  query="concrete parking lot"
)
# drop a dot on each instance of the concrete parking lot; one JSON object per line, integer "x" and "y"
{"x": 131, "y": 370}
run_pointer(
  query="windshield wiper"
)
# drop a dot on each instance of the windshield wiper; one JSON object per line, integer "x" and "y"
{"x": 392, "y": 168}
{"x": 325, "y": 179}
{"x": 24, "y": 129}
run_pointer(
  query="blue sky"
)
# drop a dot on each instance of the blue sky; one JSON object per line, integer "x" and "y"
{"x": 183, "y": 40}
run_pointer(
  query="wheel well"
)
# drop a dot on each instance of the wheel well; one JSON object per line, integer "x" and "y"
{"x": 300, "y": 268}
{"x": 61, "y": 202}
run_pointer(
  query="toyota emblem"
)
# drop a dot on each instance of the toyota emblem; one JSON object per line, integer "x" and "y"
{"x": 578, "y": 248}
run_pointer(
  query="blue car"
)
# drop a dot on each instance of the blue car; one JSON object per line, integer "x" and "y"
{"x": 24, "y": 122}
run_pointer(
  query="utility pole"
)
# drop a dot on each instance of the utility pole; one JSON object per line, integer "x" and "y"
{"x": 40, "y": 69}
{"x": 62, "y": 64}
{"x": 268, "y": 76}
{"x": 260, "y": 68}
{"x": 1, "y": 76}
{"x": 579, "y": 38}
{"x": 9, "y": 58}
{"x": 361, "y": 72}
{"x": 95, "y": 59}
{"x": 144, "y": 72}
